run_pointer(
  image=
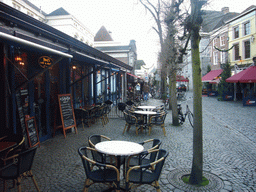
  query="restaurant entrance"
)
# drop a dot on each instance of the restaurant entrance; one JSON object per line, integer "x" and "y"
{"x": 46, "y": 90}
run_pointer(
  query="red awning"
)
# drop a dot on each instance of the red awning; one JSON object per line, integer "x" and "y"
{"x": 246, "y": 76}
{"x": 212, "y": 75}
{"x": 134, "y": 75}
{"x": 181, "y": 78}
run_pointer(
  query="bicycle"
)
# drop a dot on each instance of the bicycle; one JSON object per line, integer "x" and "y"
{"x": 182, "y": 118}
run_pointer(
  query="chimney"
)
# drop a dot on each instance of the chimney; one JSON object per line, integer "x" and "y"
{"x": 225, "y": 10}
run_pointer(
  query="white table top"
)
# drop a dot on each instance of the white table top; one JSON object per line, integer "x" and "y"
{"x": 146, "y": 107}
{"x": 146, "y": 112}
{"x": 120, "y": 148}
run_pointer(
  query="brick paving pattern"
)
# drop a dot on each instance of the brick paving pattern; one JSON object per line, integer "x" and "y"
{"x": 229, "y": 139}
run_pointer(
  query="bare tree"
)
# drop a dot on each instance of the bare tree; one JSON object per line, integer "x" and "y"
{"x": 156, "y": 12}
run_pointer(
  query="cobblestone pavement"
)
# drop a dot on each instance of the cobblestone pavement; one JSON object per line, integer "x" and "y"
{"x": 229, "y": 139}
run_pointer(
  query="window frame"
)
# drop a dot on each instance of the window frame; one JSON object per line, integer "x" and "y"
{"x": 244, "y": 28}
{"x": 244, "y": 49}
{"x": 215, "y": 58}
{"x": 234, "y": 52}
{"x": 222, "y": 40}
{"x": 235, "y": 32}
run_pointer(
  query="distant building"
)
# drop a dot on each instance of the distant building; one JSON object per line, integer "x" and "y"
{"x": 59, "y": 19}
{"x": 125, "y": 53}
{"x": 242, "y": 37}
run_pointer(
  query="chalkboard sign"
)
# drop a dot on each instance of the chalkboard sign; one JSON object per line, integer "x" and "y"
{"x": 32, "y": 132}
{"x": 21, "y": 116}
{"x": 67, "y": 113}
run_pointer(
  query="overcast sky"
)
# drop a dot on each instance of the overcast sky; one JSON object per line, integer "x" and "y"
{"x": 127, "y": 19}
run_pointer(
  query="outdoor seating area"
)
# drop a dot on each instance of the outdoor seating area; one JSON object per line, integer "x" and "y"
{"x": 144, "y": 118}
{"x": 142, "y": 163}
{"x": 89, "y": 114}
{"x": 16, "y": 161}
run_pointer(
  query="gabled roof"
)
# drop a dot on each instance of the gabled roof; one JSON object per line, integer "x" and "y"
{"x": 215, "y": 19}
{"x": 103, "y": 35}
{"x": 59, "y": 12}
{"x": 34, "y": 7}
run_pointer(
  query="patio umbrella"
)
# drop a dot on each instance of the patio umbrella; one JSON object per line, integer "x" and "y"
{"x": 246, "y": 76}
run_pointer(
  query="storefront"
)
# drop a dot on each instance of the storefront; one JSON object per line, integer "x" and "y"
{"x": 39, "y": 62}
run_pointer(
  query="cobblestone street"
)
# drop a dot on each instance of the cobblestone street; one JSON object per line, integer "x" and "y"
{"x": 229, "y": 143}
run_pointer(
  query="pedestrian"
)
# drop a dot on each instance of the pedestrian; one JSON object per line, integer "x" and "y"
{"x": 145, "y": 91}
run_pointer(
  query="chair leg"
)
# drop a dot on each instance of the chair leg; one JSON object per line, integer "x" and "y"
{"x": 163, "y": 127}
{"x": 124, "y": 127}
{"x": 137, "y": 130}
{"x": 157, "y": 186}
{"x": 18, "y": 184}
{"x": 86, "y": 185}
{"x": 4, "y": 185}
{"x": 34, "y": 181}
{"x": 149, "y": 130}
{"x": 128, "y": 128}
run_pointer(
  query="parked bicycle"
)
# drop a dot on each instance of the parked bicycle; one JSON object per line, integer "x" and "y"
{"x": 182, "y": 118}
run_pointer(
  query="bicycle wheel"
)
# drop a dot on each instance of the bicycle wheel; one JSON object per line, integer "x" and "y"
{"x": 191, "y": 119}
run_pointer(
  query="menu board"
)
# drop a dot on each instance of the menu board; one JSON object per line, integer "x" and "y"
{"x": 66, "y": 112}
{"x": 32, "y": 132}
{"x": 21, "y": 116}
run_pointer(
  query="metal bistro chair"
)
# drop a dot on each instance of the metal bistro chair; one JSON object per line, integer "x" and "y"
{"x": 97, "y": 156}
{"x": 143, "y": 174}
{"x": 19, "y": 139}
{"x": 146, "y": 157}
{"x": 98, "y": 172}
{"x": 157, "y": 120}
{"x": 20, "y": 169}
{"x": 83, "y": 116}
{"x": 129, "y": 121}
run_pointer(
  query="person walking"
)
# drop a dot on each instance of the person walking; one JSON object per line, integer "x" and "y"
{"x": 146, "y": 91}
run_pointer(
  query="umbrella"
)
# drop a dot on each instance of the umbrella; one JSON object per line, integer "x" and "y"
{"x": 246, "y": 76}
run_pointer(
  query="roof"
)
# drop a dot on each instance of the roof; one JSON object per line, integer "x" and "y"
{"x": 215, "y": 19}
{"x": 34, "y": 7}
{"x": 103, "y": 35}
{"x": 212, "y": 75}
{"x": 59, "y": 12}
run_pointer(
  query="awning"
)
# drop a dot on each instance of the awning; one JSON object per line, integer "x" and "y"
{"x": 246, "y": 76}
{"x": 212, "y": 75}
{"x": 33, "y": 45}
{"x": 181, "y": 79}
{"x": 134, "y": 75}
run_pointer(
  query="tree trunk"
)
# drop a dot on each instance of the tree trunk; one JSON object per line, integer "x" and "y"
{"x": 173, "y": 98}
{"x": 197, "y": 164}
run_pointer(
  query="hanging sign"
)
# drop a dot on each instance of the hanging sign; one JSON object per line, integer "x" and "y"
{"x": 45, "y": 61}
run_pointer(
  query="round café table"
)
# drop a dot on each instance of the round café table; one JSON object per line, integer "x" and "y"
{"x": 145, "y": 116}
{"x": 146, "y": 107}
{"x": 119, "y": 149}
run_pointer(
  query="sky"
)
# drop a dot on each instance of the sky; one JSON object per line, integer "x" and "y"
{"x": 127, "y": 20}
